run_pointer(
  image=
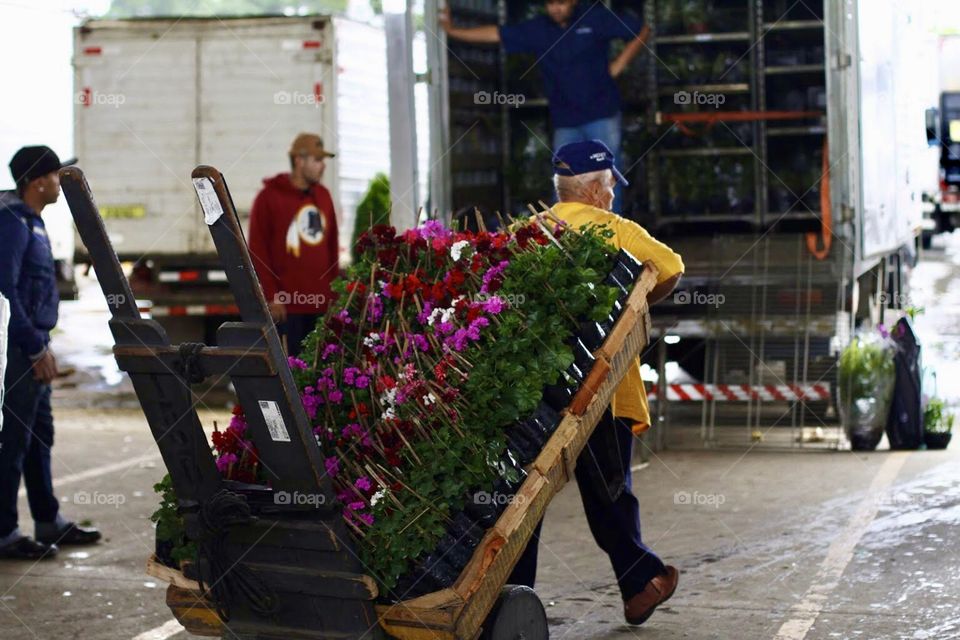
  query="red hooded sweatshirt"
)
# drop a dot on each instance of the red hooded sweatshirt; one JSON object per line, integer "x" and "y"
{"x": 293, "y": 244}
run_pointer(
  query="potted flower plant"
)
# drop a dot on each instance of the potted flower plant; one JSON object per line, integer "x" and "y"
{"x": 866, "y": 388}
{"x": 937, "y": 424}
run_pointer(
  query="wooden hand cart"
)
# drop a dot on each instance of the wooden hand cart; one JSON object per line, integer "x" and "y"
{"x": 276, "y": 571}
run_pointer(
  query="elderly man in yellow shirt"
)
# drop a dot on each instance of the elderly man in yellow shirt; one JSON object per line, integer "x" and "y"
{"x": 585, "y": 179}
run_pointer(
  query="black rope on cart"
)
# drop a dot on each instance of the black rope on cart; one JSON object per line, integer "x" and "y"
{"x": 189, "y": 364}
{"x": 228, "y": 578}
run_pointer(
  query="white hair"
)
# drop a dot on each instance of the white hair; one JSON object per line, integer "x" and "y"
{"x": 571, "y": 188}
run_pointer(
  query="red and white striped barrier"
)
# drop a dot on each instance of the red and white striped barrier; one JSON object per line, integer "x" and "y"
{"x": 743, "y": 392}
{"x": 163, "y": 311}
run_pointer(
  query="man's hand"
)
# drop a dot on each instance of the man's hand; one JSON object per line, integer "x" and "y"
{"x": 278, "y": 311}
{"x": 45, "y": 368}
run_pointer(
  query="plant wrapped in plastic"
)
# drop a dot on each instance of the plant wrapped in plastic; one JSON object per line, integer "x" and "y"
{"x": 867, "y": 379}
{"x": 435, "y": 354}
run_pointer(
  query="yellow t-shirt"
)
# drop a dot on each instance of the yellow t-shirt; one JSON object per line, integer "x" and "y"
{"x": 630, "y": 399}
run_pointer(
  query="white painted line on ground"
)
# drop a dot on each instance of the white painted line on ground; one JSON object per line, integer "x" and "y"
{"x": 100, "y": 471}
{"x": 840, "y": 553}
{"x": 162, "y": 632}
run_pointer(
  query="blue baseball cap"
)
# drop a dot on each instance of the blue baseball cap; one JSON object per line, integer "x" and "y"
{"x": 577, "y": 158}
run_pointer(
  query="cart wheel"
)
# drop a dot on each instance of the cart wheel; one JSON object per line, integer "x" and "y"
{"x": 517, "y": 615}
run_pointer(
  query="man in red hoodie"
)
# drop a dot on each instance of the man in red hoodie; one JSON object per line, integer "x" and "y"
{"x": 293, "y": 241}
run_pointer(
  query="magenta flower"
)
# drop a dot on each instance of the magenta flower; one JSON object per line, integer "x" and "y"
{"x": 335, "y": 396}
{"x": 329, "y": 350}
{"x": 494, "y": 305}
{"x": 332, "y": 465}
{"x": 296, "y": 363}
{"x": 366, "y": 518}
{"x": 363, "y": 483}
{"x": 224, "y": 461}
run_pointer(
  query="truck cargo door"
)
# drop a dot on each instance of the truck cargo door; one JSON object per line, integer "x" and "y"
{"x": 135, "y": 113}
{"x": 263, "y": 82}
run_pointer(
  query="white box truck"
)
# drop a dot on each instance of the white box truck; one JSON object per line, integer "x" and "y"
{"x": 157, "y": 96}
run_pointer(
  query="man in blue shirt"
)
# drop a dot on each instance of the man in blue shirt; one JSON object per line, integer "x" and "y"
{"x": 28, "y": 280}
{"x": 572, "y": 45}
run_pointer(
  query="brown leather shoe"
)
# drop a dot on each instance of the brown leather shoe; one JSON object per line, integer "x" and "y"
{"x": 641, "y": 606}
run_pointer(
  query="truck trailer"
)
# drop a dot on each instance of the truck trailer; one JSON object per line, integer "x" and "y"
{"x": 773, "y": 144}
{"x": 159, "y": 96}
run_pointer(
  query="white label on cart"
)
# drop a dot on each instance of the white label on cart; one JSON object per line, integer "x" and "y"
{"x": 209, "y": 201}
{"x": 271, "y": 415}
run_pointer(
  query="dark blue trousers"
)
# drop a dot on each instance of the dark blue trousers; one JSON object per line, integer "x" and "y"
{"x": 25, "y": 442}
{"x": 615, "y": 524}
{"x": 296, "y": 327}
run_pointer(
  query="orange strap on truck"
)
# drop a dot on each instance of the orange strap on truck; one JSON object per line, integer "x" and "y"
{"x": 710, "y": 119}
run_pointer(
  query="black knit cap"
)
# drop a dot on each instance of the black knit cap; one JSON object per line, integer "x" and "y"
{"x": 30, "y": 163}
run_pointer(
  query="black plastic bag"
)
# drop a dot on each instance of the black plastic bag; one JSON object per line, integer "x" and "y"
{"x": 905, "y": 420}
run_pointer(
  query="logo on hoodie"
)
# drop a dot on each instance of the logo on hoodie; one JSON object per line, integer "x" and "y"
{"x": 306, "y": 227}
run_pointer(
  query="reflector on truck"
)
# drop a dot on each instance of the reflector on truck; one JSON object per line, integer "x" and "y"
{"x": 123, "y": 211}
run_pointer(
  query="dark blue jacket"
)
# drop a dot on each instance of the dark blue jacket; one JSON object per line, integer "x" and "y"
{"x": 27, "y": 275}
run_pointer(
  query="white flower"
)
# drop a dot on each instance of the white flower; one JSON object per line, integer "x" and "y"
{"x": 456, "y": 250}
{"x": 429, "y": 399}
{"x": 377, "y": 497}
{"x": 371, "y": 339}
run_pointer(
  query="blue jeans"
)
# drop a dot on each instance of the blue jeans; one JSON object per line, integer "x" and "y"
{"x": 609, "y": 131}
{"x": 25, "y": 443}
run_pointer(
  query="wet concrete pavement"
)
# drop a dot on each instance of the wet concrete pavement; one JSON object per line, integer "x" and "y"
{"x": 813, "y": 545}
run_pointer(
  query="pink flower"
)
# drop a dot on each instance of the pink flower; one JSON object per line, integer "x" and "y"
{"x": 224, "y": 461}
{"x": 329, "y": 350}
{"x": 366, "y": 518}
{"x": 336, "y": 396}
{"x": 296, "y": 363}
{"x": 494, "y": 305}
{"x": 356, "y": 506}
{"x": 332, "y": 465}
{"x": 363, "y": 483}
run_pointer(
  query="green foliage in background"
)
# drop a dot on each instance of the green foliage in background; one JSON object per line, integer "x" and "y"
{"x": 374, "y": 209}
{"x": 936, "y": 419}
{"x": 862, "y": 364}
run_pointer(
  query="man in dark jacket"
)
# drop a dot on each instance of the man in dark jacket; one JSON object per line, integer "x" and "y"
{"x": 28, "y": 281}
{"x": 293, "y": 241}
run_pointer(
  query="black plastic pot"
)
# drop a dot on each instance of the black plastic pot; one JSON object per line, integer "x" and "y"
{"x": 582, "y": 356}
{"x": 865, "y": 441}
{"x": 628, "y": 261}
{"x": 592, "y": 335}
{"x": 546, "y": 417}
{"x": 612, "y": 281}
{"x": 614, "y": 315}
{"x": 937, "y": 439}
{"x": 521, "y": 446}
{"x": 558, "y": 396}
{"x": 623, "y": 274}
